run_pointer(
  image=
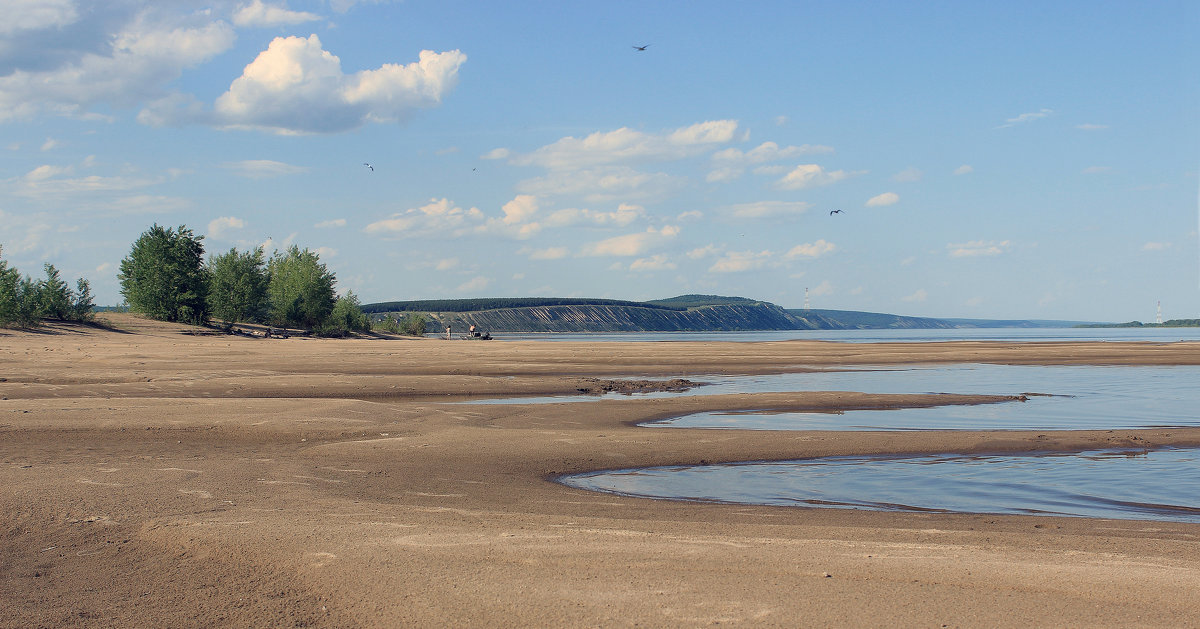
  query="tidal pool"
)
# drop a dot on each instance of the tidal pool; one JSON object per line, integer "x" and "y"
{"x": 1161, "y": 484}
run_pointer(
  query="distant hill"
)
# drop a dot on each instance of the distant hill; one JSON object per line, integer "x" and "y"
{"x": 685, "y": 313}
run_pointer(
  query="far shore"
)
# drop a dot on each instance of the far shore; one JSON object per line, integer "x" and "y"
{"x": 156, "y": 477}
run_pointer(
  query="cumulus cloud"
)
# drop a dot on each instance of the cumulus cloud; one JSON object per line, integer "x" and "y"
{"x": 500, "y": 153}
{"x": 624, "y": 215}
{"x": 885, "y": 199}
{"x": 810, "y": 250}
{"x": 706, "y": 251}
{"x": 920, "y": 295}
{"x": 603, "y": 184}
{"x": 295, "y": 86}
{"x": 741, "y": 261}
{"x": 438, "y": 217}
{"x": 218, "y": 227}
{"x": 258, "y": 13}
{"x": 732, "y": 162}
{"x": 630, "y": 244}
{"x": 117, "y": 57}
{"x": 1156, "y": 246}
{"x": 263, "y": 168}
{"x": 978, "y": 248}
{"x": 908, "y": 175}
{"x": 624, "y": 145}
{"x": 824, "y": 288}
{"x": 520, "y": 209}
{"x": 768, "y": 209}
{"x": 811, "y": 176}
{"x": 964, "y": 169}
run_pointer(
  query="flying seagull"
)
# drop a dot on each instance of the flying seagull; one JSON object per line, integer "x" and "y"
{"x": 641, "y": 48}
{"x": 832, "y": 212}
{"x": 369, "y": 166}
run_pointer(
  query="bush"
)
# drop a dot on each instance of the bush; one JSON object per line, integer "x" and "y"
{"x": 345, "y": 318}
{"x": 300, "y": 290}
{"x": 25, "y": 303}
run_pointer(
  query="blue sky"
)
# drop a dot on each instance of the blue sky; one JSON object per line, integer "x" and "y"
{"x": 1015, "y": 160}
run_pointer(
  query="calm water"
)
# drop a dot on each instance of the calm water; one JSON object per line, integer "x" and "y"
{"x": 1072, "y": 398}
{"x": 1154, "y": 485}
{"x": 1158, "y": 335}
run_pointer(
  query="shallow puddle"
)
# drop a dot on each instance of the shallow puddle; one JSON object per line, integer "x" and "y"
{"x": 1155, "y": 485}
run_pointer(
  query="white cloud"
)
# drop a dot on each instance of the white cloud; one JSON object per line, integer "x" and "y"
{"x": 920, "y": 295}
{"x": 1091, "y": 127}
{"x": 33, "y": 15}
{"x": 624, "y": 215}
{"x": 500, "y": 153}
{"x": 1156, "y": 246}
{"x": 881, "y": 200}
{"x": 704, "y": 252}
{"x": 605, "y": 184}
{"x": 657, "y": 262}
{"x": 625, "y": 144}
{"x": 964, "y": 169}
{"x": 50, "y": 144}
{"x": 732, "y": 162}
{"x": 822, "y": 289}
{"x": 295, "y": 87}
{"x": 117, "y": 57}
{"x": 768, "y": 209}
{"x": 630, "y": 244}
{"x": 978, "y": 248}
{"x": 475, "y": 284}
{"x": 263, "y": 168}
{"x": 438, "y": 217}
{"x": 741, "y": 261}
{"x": 260, "y": 14}
{"x": 810, "y": 250}
{"x": 520, "y": 209}
{"x": 446, "y": 264}
{"x": 908, "y": 175}
{"x": 218, "y": 227}
{"x": 1027, "y": 117}
{"x": 811, "y": 176}
{"x": 336, "y": 222}
{"x": 552, "y": 253}
{"x": 326, "y": 252}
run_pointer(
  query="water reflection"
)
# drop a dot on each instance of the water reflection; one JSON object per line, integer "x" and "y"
{"x": 1156, "y": 485}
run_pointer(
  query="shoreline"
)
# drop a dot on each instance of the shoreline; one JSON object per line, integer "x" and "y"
{"x": 166, "y": 479}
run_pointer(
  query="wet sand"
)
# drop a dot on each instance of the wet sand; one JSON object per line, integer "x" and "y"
{"x": 151, "y": 477}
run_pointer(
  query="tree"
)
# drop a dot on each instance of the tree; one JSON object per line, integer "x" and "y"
{"x": 347, "y": 316}
{"x": 10, "y": 282}
{"x": 81, "y": 309}
{"x": 164, "y": 278}
{"x": 237, "y": 289}
{"x": 54, "y": 296}
{"x": 300, "y": 292}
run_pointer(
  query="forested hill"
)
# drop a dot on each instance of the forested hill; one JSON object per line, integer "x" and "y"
{"x": 685, "y": 313}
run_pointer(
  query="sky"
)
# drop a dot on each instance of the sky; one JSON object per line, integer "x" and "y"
{"x": 1033, "y": 160}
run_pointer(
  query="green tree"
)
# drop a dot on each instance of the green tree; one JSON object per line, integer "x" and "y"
{"x": 413, "y": 324}
{"x": 10, "y": 282}
{"x": 81, "y": 309}
{"x": 300, "y": 291}
{"x": 237, "y": 289}
{"x": 54, "y": 297}
{"x": 347, "y": 316}
{"x": 164, "y": 278}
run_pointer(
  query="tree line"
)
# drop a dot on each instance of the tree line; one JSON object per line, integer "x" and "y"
{"x": 166, "y": 277}
{"x": 26, "y": 302}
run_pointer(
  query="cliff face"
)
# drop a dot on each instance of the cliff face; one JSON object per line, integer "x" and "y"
{"x": 727, "y": 317}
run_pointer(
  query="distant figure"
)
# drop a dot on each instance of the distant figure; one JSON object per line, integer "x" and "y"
{"x": 641, "y": 48}
{"x": 369, "y": 166}
{"x": 447, "y": 333}
{"x": 832, "y": 212}
{"x": 473, "y": 330}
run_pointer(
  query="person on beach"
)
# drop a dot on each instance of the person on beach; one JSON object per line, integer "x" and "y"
{"x": 447, "y": 333}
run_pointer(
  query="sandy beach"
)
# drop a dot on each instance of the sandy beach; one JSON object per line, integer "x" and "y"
{"x": 154, "y": 477}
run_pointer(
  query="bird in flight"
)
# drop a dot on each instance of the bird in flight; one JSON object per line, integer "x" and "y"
{"x": 641, "y": 48}
{"x": 369, "y": 166}
{"x": 832, "y": 212}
